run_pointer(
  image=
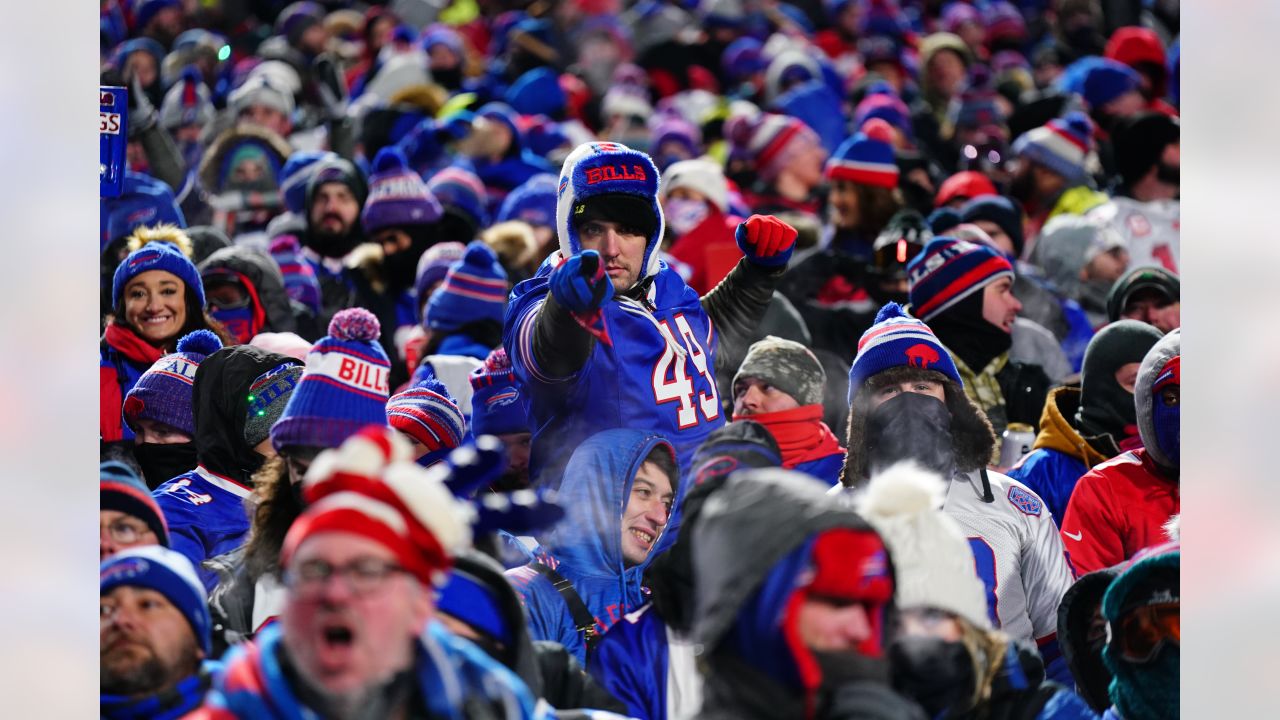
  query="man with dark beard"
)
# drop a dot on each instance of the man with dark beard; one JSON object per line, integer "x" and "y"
{"x": 154, "y": 635}
{"x": 1053, "y": 171}
{"x": 335, "y": 194}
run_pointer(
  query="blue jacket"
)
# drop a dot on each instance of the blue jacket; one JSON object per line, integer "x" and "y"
{"x": 1060, "y": 455}
{"x": 206, "y": 516}
{"x": 631, "y": 663}
{"x": 586, "y": 547}
{"x": 452, "y": 675}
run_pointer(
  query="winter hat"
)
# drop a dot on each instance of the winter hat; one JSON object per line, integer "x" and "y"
{"x": 867, "y": 157}
{"x": 462, "y": 193}
{"x": 537, "y": 92}
{"x": 397, "y": 195}
{"x": 786, "y": 365}
{"x": 238, "y": 145}
{"x": 958, "y": 14}
{"x": 143, "y": 200}
{"x": 898, "y": 340}
{"x": 499, "y": 405}
{"x": 297, "y": 18}
{"x": 343, "y": 387}
{"x": 370, "y": 486}
{"x": 427, "y": 413}
{"x": 295, "y": 175}
{"x": 163, "y": 393}
{"x": 817, "y": 106}
{"x": 468, "y": 598}
{"x": 932, "y": 561}
{"x": 888, "y": 107}
{"x": 1063, "y": 145}
{"x": 673, "y": 128}
{"x": 1068, "y": 243}
{"x": 769, "y": 140}
{"x": 168, "y": 573}
{"x": 205, "y": 241}
{"x": 282, "y": 343}
{"x": 743, "y": 58}
{"x": 120, "y": 489}
{"x": 999, "y": 210}
{"x": 596, "y": 169}
{"x": 1004, "y": 22}
{"x": 965, "y": 184}
{"x": 434, "y": 265}
{"x": 1137, "y": 279}
{"x": 268, "y": 396}
{"x": 1107, "y": 80}
{"x": 949, "y": 270}
{"x": 187, "y": 102}
{"x": 260, "y": 90}
{"x": 474, "y": 288}
{"x": 339, "y": 170}
{"x": 300, "y": 281}
{"x": 1139, "y": 141}
{"x": 533, "y": 201}
{"x": 704, "y": 176}
{"x": 1105, "y": 407}
{"x": 942, "y": 220}
{"x": 146, "y": 11}
{"x": 156, "y": 256}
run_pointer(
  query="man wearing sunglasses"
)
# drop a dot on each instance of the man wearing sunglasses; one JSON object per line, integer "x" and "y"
{"x": 1143, "y": 639}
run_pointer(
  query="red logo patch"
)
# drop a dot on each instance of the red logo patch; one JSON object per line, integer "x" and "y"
{"x": 615, "y": 172}
{"x": 921, "y": 356}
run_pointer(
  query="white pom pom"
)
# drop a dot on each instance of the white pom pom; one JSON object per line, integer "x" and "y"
{"x": 906, "y": 488}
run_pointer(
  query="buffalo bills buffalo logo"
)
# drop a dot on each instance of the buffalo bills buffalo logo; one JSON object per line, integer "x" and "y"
{"x": 922, "y": 356}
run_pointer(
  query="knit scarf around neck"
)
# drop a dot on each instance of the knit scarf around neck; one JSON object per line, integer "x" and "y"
{"x": 130, "y": 344}
{"x": 800, "y": 432}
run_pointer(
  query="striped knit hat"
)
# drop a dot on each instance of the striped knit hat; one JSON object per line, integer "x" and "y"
{"x": 898, "y": 340}
{"x": 867, "y": 157}
{"x": 770, "y": 140}
{"x": 342, "y": 389}
{"x": 163, "y": 393}
{"x": 1064, "y": 145}
{"x": 371, "y": 487}
{"x": 120, "y": 489}
{"x": 462, "y": 193}
{"x": 949, "y": 270}
{"x": 427, "y": 413}
{"x": 475, "y": 288}
{"x": 397, "y": 195}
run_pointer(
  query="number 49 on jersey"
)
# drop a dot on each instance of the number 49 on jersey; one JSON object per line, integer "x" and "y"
{"x": 672, "y": 381}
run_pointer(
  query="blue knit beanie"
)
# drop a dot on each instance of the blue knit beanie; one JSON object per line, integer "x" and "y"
{"x": 397, "y": 195}
{"x": 343, "y": 388}
{"x": 475, "y": 288}
{"x": 168, "y": 573}
{"x": 295, "y": 175}
{"x": 898, "y": 340}
{"x": 534, "y": 202}
{"x": 499, "y": 406}
{"x": 157, "y": 256}
{"x": 949, "y": 270}
{"x": 434, "y": 265}
{"x": 1108, "y": 80}
{"x": 163, "y": 393}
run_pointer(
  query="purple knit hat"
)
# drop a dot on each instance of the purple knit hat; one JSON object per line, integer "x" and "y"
{"x": 397, "y": 195}
{"x": 343, "y": 388}
{"x": 163, "y": 393}
{"x": 434, "y": 265}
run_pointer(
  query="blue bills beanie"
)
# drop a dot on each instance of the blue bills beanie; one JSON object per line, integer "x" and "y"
{"x": 168, "y": 573}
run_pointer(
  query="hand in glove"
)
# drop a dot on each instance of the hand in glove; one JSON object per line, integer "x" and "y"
{"x": 766, "y": 240}
{"x": 580, "y": 283}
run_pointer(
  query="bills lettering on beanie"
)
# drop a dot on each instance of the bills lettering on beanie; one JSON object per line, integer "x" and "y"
{"x": 268, "y": 396}
{"x": 120, "y": 489}
{"x": 168, "y": 573}
{"x": 475, "y": 288}
{"x": 1063, "y": 145}
{"x": 499, "y": 405}
{"x": 427, "y": 413}
{"x": 343, "y": 387}
{"x": 786, "y": 365}
{"x": 949, "y": 270}
{"x": 898, "y": 340}
{"x": 866, "y": 158}
{"x": 156, "y": 256}
{"x": 163, "y": 393}
{"x": 370, "y": 486}
{"x": 397, "y": 195}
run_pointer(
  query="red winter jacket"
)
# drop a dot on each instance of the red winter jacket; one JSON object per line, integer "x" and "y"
{"x": 1118, "y": 508}
{"x": 709, "y": 249}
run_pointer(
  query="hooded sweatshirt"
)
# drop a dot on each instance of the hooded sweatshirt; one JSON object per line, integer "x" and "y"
{"x": 586, "y": 547}
{"x": 205, "y": 507}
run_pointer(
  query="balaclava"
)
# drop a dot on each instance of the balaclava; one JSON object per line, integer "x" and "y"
{"x": 1105, "y": 406}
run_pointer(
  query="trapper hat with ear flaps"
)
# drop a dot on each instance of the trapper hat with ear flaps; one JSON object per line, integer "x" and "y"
{"x": 597, "y": 169}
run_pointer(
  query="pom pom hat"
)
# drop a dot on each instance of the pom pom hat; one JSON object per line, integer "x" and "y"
{"x": 343, "y": 387}
{"x": 898, "y": 340}
{"x": 397, "y": 195}
{"x": 596, "y": 169}
{"x": 867, "y": 157}
{"x": 1064, "y": 145}
{"x": 371, "y": 487}
{"x": 163, "y": 393}
{"x": 427, "y": 413}
{"x": 475, "y": 288}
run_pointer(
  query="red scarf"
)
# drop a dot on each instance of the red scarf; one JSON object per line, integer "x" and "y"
{"x": 131, "y": 345}
{"x": 800, "y": 432}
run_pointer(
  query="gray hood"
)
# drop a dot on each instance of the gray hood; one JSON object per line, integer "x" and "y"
{"x": 1170, "y": 346}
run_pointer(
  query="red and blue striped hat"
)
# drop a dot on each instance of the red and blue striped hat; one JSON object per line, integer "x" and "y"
{"x": 475, "y": 288}
{"x": 949, "y": 270}
{"x": 1064, "y": 145}
{"x": 427, "y": 413}
{"x": 898, "y": 340}
{"x": 867, "y": 157}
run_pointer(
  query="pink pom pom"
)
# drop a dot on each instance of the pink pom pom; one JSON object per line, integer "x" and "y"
{"x": 878, "y": 129}
{"x": 354, "y": 324}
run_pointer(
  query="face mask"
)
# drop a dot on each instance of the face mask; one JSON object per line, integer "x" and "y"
{"x": 935, "y": 673}
{"x": 842, "y": 668}
{"x": 1022, "y": 187}
{"x": 162, "y": 463}
{"x": 1168, "y": 423}
{"x": 448, "y": 78}
{"x": 910, "y": 426}
{"x": 237, "y": 321}
{"x": 1149, "y": 690}
{"x": 1168, "y": 174}
{"x": 400, "y": 268}
{"x": 684, "y": 215}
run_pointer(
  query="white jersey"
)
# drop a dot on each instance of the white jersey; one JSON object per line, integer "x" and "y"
{"x": 1017, "y": 551}
{"x": 1150, "y": 229}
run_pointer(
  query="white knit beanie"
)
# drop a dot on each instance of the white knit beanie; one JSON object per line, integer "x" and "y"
{"x": 932, "y": 560}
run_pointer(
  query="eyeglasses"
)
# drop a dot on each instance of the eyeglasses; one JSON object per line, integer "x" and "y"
{"x": 1143, "y": 631}
{"x": 125, "y": 532}
{"x": 363, "y": 576}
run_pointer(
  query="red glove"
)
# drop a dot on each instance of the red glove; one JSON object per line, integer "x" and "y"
{"x": 766, "y": 240}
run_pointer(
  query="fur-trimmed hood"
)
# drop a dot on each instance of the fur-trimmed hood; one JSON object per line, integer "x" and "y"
{"x": 214, "y": 166}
